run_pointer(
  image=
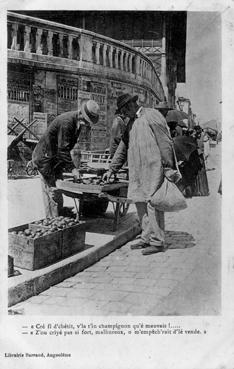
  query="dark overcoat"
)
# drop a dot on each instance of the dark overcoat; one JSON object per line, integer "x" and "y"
{"x": 52, "y": 153}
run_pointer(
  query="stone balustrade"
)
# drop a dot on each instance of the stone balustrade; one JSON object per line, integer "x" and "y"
{"x": 40, "y": 40}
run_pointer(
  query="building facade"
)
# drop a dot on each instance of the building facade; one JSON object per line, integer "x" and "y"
{"x": 53, "y": 67}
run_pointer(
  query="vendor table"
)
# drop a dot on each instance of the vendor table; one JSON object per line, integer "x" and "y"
{"x": 116, "y": 193}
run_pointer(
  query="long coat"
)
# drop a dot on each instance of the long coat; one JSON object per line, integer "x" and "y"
{"x": 149, "y": 151}
{"x": 52, "y": 152}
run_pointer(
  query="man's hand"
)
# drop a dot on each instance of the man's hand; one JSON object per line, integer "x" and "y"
{"x": 172, "y": 175}
{"x": 76, "y": 173}
{"x": 107, "y": 176}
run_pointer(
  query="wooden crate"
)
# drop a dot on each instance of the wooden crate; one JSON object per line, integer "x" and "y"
{"x": 32, "y": 254}
{"x": 72, "y": 238}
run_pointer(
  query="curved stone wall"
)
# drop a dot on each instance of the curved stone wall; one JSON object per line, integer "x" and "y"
{"x": 52, "y": 68}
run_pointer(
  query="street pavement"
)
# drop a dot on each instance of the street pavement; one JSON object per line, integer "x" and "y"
{"x": 184, "y": 280}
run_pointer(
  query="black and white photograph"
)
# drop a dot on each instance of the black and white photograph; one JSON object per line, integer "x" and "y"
{"x": 114, "y": 137}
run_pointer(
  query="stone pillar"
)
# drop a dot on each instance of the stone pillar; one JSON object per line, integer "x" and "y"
{"x": 163, "y": 75}
{"x": 98, "y": 53}
{"x": 50, "y": 43}
{"x": 111, "y": 56}
{"x": 38, "y": 41}
{"x": 104, "y": 55}
{"x": 61, "y": 53}
{"x": 121, "y": 60}
{"x": 116, "y": 58}
{"x": 70, "y": 39}
{"x": 126, "y": 63}
{"x": 130, "y": 63}
{"x": 14, "y": 45}
{"x": 27, "y": 47}
{"x": 85, "y": 45}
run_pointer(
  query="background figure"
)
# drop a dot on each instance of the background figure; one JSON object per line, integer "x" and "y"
{"x": 52, "y": 156}
{"x": 117, "y": 129}
{"x": 206, "y": 141}
{"x": 188, "y": 161}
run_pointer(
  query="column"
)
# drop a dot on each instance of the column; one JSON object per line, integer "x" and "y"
{"x": 116, "y": 58}
{"x": 130, "y": 63}
{"x": 50, "y": 43}
{"x": 38, "y": 41}
{"x": 61, "y": 53}
{"x": 27, "y": 31}
{"x": 105, "y": 63}
{"x": 127, "y": 64}
{"x": 98, "y": 53}
{"x": 163, "y": 74}
{"x": 111, "y": 56}
{"x": 70, "y": 39}
{"x": 121, "y": 60}
{"x": 14, "y": 45}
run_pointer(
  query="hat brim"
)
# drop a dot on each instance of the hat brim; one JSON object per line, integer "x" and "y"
{"x": 162, "y": 108}
{"x": 86, "y": 117}
{"x": 131, "y": 98}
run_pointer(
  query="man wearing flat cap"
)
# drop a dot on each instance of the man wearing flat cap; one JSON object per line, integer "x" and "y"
{"x": 52, "y": 154}
{"x": 147, "y": 145}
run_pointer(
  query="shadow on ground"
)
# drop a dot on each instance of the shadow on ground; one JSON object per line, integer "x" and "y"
{"x": 179, "y": 240}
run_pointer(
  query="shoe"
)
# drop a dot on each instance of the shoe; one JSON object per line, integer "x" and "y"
{"x": 139, "y": 244}
{"x": 152, "y": 250}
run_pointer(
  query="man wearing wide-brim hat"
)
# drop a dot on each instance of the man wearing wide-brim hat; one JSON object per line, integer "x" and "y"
{"x": 147, "y": 145}
{"x": 163, "y": 108}
{"x": 52, "y": 154}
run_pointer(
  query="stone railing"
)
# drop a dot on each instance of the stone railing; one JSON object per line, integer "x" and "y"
{"x": 42, "y": 41}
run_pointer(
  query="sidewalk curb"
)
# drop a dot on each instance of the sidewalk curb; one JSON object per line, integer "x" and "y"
{"x": 56, "y": 273}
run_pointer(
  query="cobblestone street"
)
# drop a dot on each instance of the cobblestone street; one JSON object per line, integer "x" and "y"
{"x": 184, "y": 280}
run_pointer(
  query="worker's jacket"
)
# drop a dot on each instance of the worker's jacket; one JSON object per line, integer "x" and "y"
{"x": 52, "y": 153}
{"x": 117, "y": 131}
{"x": 148, "y": 146}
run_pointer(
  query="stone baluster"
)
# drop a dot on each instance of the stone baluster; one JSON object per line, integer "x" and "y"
{"x": 38, "y": 41}
{"x": 121, "y": 60}
{"x": 14, "y": 45}
{"x": 61, "y": 51}
{"x": 70, "y": 39}
{"x": 130, "y": 63}
{"x": 139, "y": 69}
{"x": 111, "y": 56}
{"x": 50, "y": 43}
{"x": 117, "y": 58}
{"x": 27, "y": 31}
{"x": 139, "y": 66}
{"x": 98, "y": 53}
{"x": 126, "y": 62}
{"x": 105, "y": 63}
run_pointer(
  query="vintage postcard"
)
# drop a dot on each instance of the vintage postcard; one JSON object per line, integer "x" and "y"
{"x": 116, "y": 185}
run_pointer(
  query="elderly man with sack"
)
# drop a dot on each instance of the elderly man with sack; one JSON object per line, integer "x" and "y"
{"x": 148, "y": 146}
{"x": 53, "y": 153}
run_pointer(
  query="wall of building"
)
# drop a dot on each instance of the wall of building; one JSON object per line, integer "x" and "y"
{"x": 53, "y": 93}
{"x": 52, "y": 68}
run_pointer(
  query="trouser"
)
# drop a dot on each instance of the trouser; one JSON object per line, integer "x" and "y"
{"x": 152, "y": 224}
{"x": 52, "y": 198}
